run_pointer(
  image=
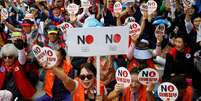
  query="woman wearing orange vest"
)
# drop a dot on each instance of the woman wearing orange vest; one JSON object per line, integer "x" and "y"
{"x": 83, "y": 88}
{"x": 54, "y": 88}
{"x": 135, "y": 92}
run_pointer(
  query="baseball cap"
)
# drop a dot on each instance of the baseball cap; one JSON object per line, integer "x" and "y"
{"x": 27, "y": 22}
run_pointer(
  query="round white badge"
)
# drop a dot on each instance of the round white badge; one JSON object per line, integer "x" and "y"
{"x": 152, "y": 6}
{"x": 167, "y": 91}
{"x": 72, "y": 9}
{"x": 148, "y": 75}
{"x": 134, "y": 28}
{"x": 117, "y": 7}
{"x": 123, "y": 76}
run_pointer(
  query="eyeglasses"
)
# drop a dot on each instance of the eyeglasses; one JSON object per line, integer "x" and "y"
{"x": 89, "y": 77}
{"x": 8, "y": 57}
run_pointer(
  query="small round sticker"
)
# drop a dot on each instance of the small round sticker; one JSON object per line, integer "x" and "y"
{"x": 123, "y": 76}
{"x": 72, "y": 8}
{"x": 152, "y": 6}
{"x": 134, "y": 28}
{"x": 167, "y": 91}
{"x": 117, "y": 7}
{"x": 143, "y": 8}
{"x": 148, "y": 75}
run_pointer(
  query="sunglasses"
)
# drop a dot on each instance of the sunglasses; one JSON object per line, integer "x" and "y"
{"x": 8, "y": 57}
{"x": 89, "y": 77}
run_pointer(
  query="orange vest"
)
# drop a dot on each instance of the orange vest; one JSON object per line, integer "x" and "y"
{"x": 78, "y": 95}
{"x": 49, "y": 77}
{"x": 188, "y": 94}
{"x": 141, "y": 94}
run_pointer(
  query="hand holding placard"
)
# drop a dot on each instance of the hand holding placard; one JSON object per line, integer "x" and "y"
{"x": 45, "y": 56}
{"x": 148, "y": 75}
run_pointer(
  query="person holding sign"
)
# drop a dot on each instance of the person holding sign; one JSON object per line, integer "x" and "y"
{"x": 83, "y": 87}
{"x": 13, "y": 77}
{"x": 135, "y": 92}
{"x": 54, "y": 88}
{"x": 140, "y": 56}
{"x": 184, "y": 91}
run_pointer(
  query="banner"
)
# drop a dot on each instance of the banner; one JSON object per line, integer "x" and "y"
{"x": 97, "y": 41}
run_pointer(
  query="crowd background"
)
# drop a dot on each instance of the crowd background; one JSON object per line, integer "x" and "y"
{"x": 174, "y": 52}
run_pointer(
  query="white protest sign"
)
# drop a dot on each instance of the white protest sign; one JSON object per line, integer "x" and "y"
{"x": 123, "y": 76}
{"x": 85, "y": 4}
{"x": 187, "y": 3}
{"x": 117, "y": 7}
{"x": 40, "y": 54}
{"x": 129, "y": 19}
{"x": 51, "y": 57}
{"x": 97, "y": 41}
{"x": 152, "y": 6}
{"x": 148, "y": 75}
{"x": 143, "y": 8}
{"x": 64, "y": 26}
{"x": 134, "y": 28}
{"x": 4, "y": 14}
{"x": 72, "y": 9}
{"x": 167, "y": 91}
{"x": 160, "y": 30}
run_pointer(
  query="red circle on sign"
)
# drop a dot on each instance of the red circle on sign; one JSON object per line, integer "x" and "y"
{"x": 125, "y": 74}
{"x": 38, "y": 49}
{"x": 152, "y": 74}
{"x": 49, "y": 53}
{"x": 89, "y": 39}
{"x": 117, "y": 38}
{"x": 170, "y": 88}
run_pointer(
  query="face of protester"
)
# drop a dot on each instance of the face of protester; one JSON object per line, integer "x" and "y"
{"x": 179, "y": 44}
{"x": 59, "y": 3}
{"x": 86, "y": 77}
{"x": 197, "y": 22}
{"x": 135, "y": 84}
{"x": 9, "y": 59}
{"x": 56, "y": 12}
{"x": 52, "y": 37}
{"x": 26, "y": 29}
{"x": 59, "y": 58}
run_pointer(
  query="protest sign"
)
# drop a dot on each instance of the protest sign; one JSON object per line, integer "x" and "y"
{"x": 134, "y": 28}
{"x": 97, "y": 41}
{"x": 72, "y": 9}
{"x": 40, "y": 54}
{"x": 117, "y": 7}
{"x": 143, "y": 8}
{"x": 148, "y": 75}
{"x": 167, "y": 91}
{"x": 187, "y": 3}
{"x": 129, "y": 20}
{"x": 4, "y": 14}
{"x": 51, "y": 57}
{"x": 85, "y": 4}
{"x": 123, "y": 76}
{"x": 152, "y": 6}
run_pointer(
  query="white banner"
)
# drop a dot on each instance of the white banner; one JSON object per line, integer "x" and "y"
{"x": 97, "y": 41}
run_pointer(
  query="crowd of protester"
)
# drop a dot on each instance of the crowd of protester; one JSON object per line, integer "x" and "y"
{"x": 176, "y": 52}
